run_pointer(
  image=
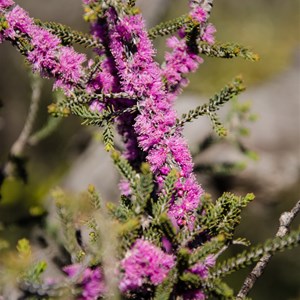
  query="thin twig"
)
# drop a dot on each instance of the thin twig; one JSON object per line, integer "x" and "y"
{"x": 51, "y": 125}
{"x": 19, "y": 145}
{"x": 285, "y": 220}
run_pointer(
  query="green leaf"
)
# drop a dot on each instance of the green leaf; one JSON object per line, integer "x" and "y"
{"x": 225, "y": 215}
{"x": 94, "y": 197}
{"x": 125, "y": 168}
{"x": 227, "y": 50}
{"x": 24, "y": 249}
{"x": 217, "y": 125}
{"x": 108, "y": 137}
{"x": 160, "y": 206}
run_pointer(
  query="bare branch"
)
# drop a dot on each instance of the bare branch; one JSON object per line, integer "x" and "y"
{"x": 19, "y": 145}
{"x": 285, "y": 221}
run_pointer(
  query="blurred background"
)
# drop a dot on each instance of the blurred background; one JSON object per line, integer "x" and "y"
{"x": 73, "y": 157}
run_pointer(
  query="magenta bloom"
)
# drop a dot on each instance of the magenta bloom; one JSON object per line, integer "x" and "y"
{"x": 18, "y": 21}
{"x": 157, "y": 157}
{"x": 179, "y": 62}
{"x": 140, "y": 75}
{"x": 44, "y": 51}
{"x": 5, "y": 4}
{"x": 43, "y": 54}
{"x": 144, "y": 263}
{"x": 69, "y": 69}
{"x": 208, "y": 34}
{"x": 97, "y": 106}
{"x": 91, "y": 281}
{"x": 187, "y": 201}
{"x": 199, "y": 14}
{"x": 180, "y": 151}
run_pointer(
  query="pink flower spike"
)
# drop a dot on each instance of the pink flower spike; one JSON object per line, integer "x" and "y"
{"x": 199, "y": 14}
{"x": 5, "y": 4}
{"x": 18, "y": 20}
{"x": 70, "y": 64}
{"x": 143, "y": 263}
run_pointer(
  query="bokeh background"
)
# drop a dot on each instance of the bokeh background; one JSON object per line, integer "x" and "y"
{"x": 73, "y": 156}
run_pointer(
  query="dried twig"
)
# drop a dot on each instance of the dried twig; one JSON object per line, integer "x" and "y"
{"x": 285, "y": 220}
{"x": 19, "y": 145}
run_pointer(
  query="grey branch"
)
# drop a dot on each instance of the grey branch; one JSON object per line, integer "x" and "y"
{"x": 285, "y": 221}
{"x": 19, "y": 145}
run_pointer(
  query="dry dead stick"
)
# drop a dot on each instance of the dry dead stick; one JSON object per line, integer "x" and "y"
{"x": 285, "y": 220}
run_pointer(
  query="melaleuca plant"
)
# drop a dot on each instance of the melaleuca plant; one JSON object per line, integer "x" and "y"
{"x": 162, "y": 240}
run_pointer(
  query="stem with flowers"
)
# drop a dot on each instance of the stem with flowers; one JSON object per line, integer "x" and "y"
{"x": 165, "y": 234}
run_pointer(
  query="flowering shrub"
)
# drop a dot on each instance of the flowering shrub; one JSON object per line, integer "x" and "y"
{"x": 169, "y": 234}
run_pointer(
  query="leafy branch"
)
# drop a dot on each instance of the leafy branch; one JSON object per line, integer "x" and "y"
{"x": 246, "y": 258}
{"x": 227, "y": 50}
{"x": 225, "y": 215}
{"x": 215, "y": 103}
{"x": 169, "y": 27}
{"x": 69, "y": 36}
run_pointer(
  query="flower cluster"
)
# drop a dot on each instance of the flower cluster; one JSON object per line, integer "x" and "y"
{"x": 90, "y": 281}
{"x": 43, "y": 49}
{"x": 181, "y": 61}
{"x": 5, "y": 4}
{"x": 144, "y": 263}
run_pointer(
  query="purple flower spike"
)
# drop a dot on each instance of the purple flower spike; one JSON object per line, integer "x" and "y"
{"x": 69, "y": 68}
{"x": 181, "y": 61}
{"x": 140, "y": 75}
{"x": 144, "y": 263}
{"x": 43, "y": 54}
{"x": 44, "y": 50}
{"x": 5, "y": 4}
{"x": 18, "y": 21}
